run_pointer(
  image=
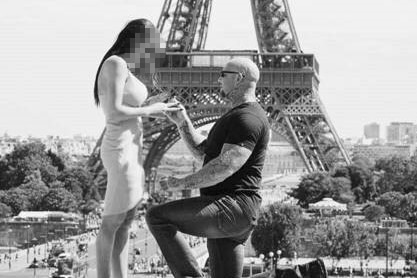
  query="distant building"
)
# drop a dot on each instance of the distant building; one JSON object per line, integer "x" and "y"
{"x": 375, "y": 152}
{"x": 282, "y": 158}
{"x": 77, "y": 146}
{"x": 51, "y": 216}
{"x": 371, "y": 131}
{"x": 35, "y": 227}
{"x": 394, "y": 223}
{"x": 6, "y": 146}
{"x": 401, "y": 133}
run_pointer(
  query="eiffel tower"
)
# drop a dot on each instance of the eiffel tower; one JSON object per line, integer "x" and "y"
{"x": 287, "y": 89}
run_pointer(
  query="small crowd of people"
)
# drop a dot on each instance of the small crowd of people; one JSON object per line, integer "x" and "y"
{"x": 152, "y": 265}
{"x": 6, "y": 257}
{"x": 93, "y": 220}
{"x": 194, "y": 241}
{"x": 366, "y": 272}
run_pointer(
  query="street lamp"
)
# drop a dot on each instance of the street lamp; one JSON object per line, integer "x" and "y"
{"x": 386, "y": 248}
{"x": 47, "y": 238}
{"x": 279, "y": 252}
{"x": 10, "y": 250}
{"x": 27, "y": 227}
{"x": 146, "y": 241}
{"x": 412, "y": 234}
{"x": 271, "y": 256}
{"x": 65, "y": 231}
{"x": 262, "y": 257}
{"x": 44, "y": 248}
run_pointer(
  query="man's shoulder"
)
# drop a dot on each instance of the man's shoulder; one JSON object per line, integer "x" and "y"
{"x": 253, "y": 113}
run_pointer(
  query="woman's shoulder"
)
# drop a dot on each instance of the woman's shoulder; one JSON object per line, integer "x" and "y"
{"x": 114, "y": 64}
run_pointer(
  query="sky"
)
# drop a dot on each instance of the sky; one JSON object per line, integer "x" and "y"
{"x": 50, "y": 50}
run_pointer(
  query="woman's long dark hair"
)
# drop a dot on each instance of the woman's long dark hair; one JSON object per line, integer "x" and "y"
{"x": 123, "y": 44}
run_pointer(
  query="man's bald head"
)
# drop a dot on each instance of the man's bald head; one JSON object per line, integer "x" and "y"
{"x": 245, "y": 66}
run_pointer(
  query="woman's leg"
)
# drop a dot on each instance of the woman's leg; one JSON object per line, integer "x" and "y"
{"x": 105, "y": 241}
{"x": 120, "y": 252}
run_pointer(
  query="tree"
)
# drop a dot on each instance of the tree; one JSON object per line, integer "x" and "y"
{"x": 398, "y": 174}
{"x": 362, "y": 183}
{"x": 23, "y": 161}
{"x": 341, "y": 172}
{"x": 79, "y": 182}
{"x": 397, "y": 244}
{"x": 88, "y": 207}
{"x": 363, "y": 162}
{"x": 57, "y": 161}
{"x": 344, "y": 238}
{"x": 391, "y": 202}
{"x": 278, "y": 228}
{"x": 5, "y": 210}
{"x": 361, "y": 177}
{"x": 398, "y": 205}
{"x": 312, "y": 188}
{"x": 365, "y": 238}
{"x": 340, "y": 190}
{"x": 409, "y": 207}
{"x": 49, "y": 174}
{"x": 374, "y": 213}
{"x": 16, "y": 199}
{"x": 34, "y": 189}
{"x": 59, "y": 199}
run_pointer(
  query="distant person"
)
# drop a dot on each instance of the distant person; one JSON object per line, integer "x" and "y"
{"x": 228, "y": 208}
{"x": 121, "y": 96}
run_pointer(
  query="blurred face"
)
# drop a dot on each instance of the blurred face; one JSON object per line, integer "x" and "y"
{"x": 148, "y": 50}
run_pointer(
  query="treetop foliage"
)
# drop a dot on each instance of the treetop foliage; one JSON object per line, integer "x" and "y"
{"x": 390, "y": 182}
{"x": 33, "y": 178}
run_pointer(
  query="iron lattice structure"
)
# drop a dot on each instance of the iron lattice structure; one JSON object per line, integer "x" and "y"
{"x": 288, "y": 87}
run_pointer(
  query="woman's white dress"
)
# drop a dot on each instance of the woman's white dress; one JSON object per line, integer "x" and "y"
{"x": 121, "y": 151}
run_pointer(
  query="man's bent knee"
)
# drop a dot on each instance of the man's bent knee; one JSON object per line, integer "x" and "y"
{"x": 153, "y": 216}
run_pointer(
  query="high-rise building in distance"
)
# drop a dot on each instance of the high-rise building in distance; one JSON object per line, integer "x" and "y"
{"x": 401, "y": 133}
{"x": 371, "y": 131}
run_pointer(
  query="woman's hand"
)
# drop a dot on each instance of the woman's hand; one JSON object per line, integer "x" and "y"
{"x": 162, "y": 97}
{"x": 161, "y": 107}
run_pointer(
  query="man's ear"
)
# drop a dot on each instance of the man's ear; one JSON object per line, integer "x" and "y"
{"x": 239, "y": 78}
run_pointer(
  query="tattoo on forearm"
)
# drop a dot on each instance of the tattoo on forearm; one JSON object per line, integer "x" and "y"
{"x": 195, "y": 145}
{"x": 217, "y": 170}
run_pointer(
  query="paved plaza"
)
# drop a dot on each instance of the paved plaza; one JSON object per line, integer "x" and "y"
{"x": 143, "y": 241}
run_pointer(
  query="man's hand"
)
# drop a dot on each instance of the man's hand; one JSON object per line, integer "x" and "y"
{"x": 177, "y": 117}
{"x": 170, "y": 184}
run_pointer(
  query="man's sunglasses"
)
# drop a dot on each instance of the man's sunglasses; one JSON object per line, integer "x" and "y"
{"x": 223, "y": 72}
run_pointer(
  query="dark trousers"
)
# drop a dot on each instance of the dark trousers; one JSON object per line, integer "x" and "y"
{"x": 218, "y": 218}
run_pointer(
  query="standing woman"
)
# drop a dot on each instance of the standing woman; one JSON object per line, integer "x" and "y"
{"x": 121, "y": 96}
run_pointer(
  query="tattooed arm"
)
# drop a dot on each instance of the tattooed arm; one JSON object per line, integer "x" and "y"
{"x": 230, "y": 160}
{"x": 194, "y": 141}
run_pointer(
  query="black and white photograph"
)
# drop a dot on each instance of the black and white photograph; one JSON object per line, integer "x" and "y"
{"x": 208, "y": 138}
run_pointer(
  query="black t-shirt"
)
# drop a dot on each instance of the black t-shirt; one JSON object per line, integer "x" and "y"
{"x": 245, "y": 125}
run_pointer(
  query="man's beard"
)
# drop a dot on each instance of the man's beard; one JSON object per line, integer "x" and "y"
{"x": 223, "y": 94}
{"x": 226, "y": 96}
